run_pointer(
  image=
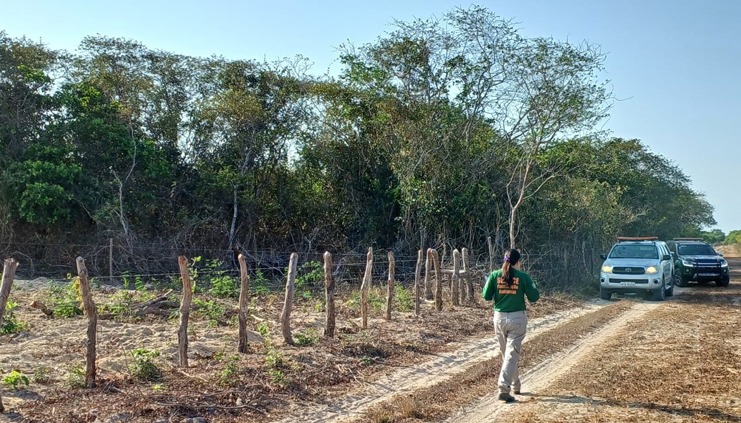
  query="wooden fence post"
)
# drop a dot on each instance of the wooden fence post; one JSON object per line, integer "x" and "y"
{"x": 428, "y": 282}
{"x": 184, "y": 312}
{"x": 390, "y": 290}
{"x": 367, "y": 280}
{"x": 285, "y": 316}
{"x": 9, "y": 267}
{"x": 455, "y": 278}
{"x": 244, "y": 300}
{"x": 110, "y": 260}
{"x": 92, "y": 325}
{"x": 470, "y": 295}
{"x": 417, "y": 274}
{"x": 438, "y": 279}
{"x": 329, "y": 293}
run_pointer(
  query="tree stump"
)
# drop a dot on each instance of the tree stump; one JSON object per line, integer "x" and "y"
{"x": 9, "y": 267}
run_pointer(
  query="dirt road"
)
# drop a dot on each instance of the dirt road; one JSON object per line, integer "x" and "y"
{"x": 677, "y": 360}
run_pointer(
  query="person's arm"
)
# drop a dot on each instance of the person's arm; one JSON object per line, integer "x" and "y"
{"x": 490, "y": 287}
{"x": 531, "y": 291}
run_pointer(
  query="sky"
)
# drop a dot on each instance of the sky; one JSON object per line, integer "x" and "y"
{"x": 673, "y": 65}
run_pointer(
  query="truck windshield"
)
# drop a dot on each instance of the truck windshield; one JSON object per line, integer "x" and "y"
{"x": 695, "y": 250}
{"x": 634, "y": 251}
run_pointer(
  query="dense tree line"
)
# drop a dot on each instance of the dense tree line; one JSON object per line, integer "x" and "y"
{"x": 441, "y": 131}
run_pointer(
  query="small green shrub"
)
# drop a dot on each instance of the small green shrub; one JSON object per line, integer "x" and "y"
{"x": 66, "y": 300}
{"x": 223, "y": 286}
{"x": 42, "y": 375}
{"x": 15, "y": 379}
{"x": 403, "y": 298}
{"x": 260, "y": 285}
{"x": 76, "y": 376}
{"x": 228, "y": 375}
{"x": 143, "y": 366}
{"x": 209, "y": 309}
{"x": 306, "y": 338}
{"x": 11, "y": 323}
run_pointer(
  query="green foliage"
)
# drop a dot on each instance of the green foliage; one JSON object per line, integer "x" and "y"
{"x": 11, "y": 323}
{"x": 76, "y": 376}
{"x": 228, "y": 375}
{"x": 66, "y": 300}
{"x": 15, "y": 379}
{"x": 41, "y": 375}
{"x": 210, "y": 309}
{"x": 260, "y": 285}
{"x": 403, "y": 298}
{"x": 376, "y": 300}
{"x": 733, "y": 238}
{"x": 310, "y": 275}
{"x": 307, "y": 337}
{"x": 142, "y": 366}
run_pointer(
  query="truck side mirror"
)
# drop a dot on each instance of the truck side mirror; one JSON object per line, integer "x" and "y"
{"x": 603, "y": 256}
{"x": 667, "y": 257}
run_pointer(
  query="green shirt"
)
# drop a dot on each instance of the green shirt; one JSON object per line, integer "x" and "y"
{"x": 506, "y": 298}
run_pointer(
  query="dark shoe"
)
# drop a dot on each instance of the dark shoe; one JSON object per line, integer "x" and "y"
{"x": 516, "y": 392}
{"x": 506, "y": 397}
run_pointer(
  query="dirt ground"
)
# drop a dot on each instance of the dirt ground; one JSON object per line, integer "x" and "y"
{"x": 597, "y": 361}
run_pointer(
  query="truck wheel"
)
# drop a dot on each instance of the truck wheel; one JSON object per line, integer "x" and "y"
{"x": 678, "y": 281}
{"x": 604, "y": 293}
{"x": 670, "y": 291}
{"x": 659, "y": 294}
{"x": 723, "y": 281}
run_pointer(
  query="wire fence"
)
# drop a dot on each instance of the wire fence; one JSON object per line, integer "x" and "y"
{"x": 116, "y": 263}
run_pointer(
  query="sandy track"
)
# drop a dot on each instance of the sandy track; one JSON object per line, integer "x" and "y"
{"x": 409, "y": 379}
{"x": 539, "y": 377}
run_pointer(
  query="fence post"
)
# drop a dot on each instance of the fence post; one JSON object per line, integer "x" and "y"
{"x": 367, "y": 279}
{"x": 92, "y": 325}
{"x": 428, "y": 282}
{"x": 470, "y": 295}
{"x": 417, "y": 273}
{"x": 329, "y": 293}
{"x": 244, "y": 300}
{"x": 390, "y": 290}
{"x": 184, "y": 312}
{"x": 439, "y": 279}
{"x": 9, "y": 267}
{"x": 285, "y": 316}
{"x": 455, "y": 278}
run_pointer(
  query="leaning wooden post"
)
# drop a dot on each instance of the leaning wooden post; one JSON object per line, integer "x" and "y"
{"x": 390, "y": 290}
{"x": 455, "y": 278}
{"x": 417, "y": 274}
{"x": 329, "y": 293}
{"x": 428, "y": 281}
{"x": 184, "y": 312}
{"x": 244, "y": 300}
{"x": 92, "y": 322}
{"x": 8, "y": 275}
{"x": 367, "y": 279}
{"x": 467, "y": 275}
{"x": 285, "y": 316}
{"x": 438, "y": 280}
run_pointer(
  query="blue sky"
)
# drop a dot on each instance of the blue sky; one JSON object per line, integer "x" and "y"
{"x": 673, "y": 64}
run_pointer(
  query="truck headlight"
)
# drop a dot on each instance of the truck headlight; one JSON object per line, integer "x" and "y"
{"x": 723, "y": 263}
{"x": 651, "y": 270}
{"x": 688, "y": 263}
{"x": 607, "y": 269}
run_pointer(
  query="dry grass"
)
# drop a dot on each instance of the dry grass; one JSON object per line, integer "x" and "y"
{"x": 680, "y": 362}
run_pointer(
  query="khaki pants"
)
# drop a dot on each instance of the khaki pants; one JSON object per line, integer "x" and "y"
{"x": 510, "y": 331}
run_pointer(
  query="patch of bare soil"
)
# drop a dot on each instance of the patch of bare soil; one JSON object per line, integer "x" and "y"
{"x": 272, "y": 381}
{"x": 680, "y": 362}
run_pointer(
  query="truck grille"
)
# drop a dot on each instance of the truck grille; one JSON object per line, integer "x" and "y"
{"x": 627, "y": 270}
{"x": 616, "y": 280}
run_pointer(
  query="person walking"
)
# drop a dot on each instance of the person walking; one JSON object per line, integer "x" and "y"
{"x": 508, "y": 287}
